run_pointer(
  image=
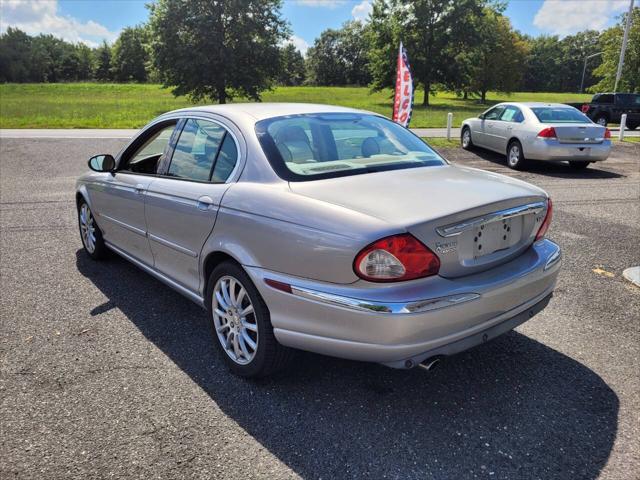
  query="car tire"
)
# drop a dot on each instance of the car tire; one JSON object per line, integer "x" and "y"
{"x": 90, "y": 233}
{"x": 515, "y": 155}
{"x": 465, "y": 139}
{"x": 234, "y": 332}
{"x": 579, "y": 165}
{"x": 601, "y": 120}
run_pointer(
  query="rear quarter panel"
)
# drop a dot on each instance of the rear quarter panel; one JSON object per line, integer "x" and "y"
{"x": 268, "y": 226}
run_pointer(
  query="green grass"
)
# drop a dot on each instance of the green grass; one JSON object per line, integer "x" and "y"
{"x": 95, "y": 105}
{"x": 442, "y": 142}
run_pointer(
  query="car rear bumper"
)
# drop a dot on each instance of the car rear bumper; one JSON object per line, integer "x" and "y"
{"x": 552, "y": 149}
{"x": 402, "y": 324}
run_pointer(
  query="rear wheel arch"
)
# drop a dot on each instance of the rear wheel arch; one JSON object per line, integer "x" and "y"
{"x": 211, "y": 261}
{"x": 514, "y": 139}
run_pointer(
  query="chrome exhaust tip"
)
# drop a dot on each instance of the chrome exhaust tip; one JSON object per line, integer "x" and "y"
{"x": 430, "y": 363}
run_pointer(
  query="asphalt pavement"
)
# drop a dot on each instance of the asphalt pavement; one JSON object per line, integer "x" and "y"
{"x": 107, "y": 373}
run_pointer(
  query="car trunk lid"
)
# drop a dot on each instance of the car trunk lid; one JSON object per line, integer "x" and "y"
{"x": 453, "y": 210}
{"x": 579, "y": 133}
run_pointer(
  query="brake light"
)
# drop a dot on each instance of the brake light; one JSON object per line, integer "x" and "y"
{"x": 396, "y": 258}
{"x": 607, "y": 133}
{"x": 546, "y": 222}
{"x": 584, "y": 108}
{"x": 548, "y": 132}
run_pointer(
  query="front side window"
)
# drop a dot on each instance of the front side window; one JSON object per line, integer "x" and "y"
{"x": 146, "y": 158}
{"x": 560, "y": 115}
{"x": 325, "y": 145}
{"x": 494, "y": 113}
{"x": 603, "y": 98}
{"x": 204, "y": 152}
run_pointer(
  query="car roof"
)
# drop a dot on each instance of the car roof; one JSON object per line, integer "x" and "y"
{"x": 259, "y": 110}
{"x": 536, "y": 104}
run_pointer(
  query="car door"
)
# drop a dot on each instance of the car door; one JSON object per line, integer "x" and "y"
{"x": 120, "y": 199}
{"x": 486, "y": 127}
{"x": 503, "y": 127}
{"x": 183, "y": 202}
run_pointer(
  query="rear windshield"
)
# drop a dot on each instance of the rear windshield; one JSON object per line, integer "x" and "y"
{"x": 326, "y": 145}
{"x": 560, "y": 115}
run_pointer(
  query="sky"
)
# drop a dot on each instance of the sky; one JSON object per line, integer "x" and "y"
{"x": 92, "y": 21}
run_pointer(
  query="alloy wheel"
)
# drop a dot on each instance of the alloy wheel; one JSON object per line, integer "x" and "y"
{"x": 234, "y": 320}
{"x": 87, "y": 228}
{"x": 466, "y": 138}
{"x": 514, "y": 155}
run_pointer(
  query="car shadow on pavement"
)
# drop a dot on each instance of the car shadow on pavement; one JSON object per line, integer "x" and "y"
{"x": 550, "y": 169}
{"x": 512, "y": 408}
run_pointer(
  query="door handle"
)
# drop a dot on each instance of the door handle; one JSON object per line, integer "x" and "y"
{"x": 204, "y": 203}
{"x": 139, "y": 188}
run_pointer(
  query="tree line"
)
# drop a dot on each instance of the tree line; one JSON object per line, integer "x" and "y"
{"x": 218, "y": 50}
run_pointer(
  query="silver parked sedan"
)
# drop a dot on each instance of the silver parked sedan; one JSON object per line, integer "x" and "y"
{"x": 538, "y": 131}
{"x": 324, "y": 229}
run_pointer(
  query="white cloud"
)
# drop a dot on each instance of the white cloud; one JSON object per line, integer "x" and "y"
{"x": 564, "y": 17}
{"x": 298, "y": 42}
{"x": 321, "y": 3}
{"x": 42, "y": 16}
{"x": 362, "y": 10}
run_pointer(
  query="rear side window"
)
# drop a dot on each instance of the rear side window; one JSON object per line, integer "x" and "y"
{"x": 560, "y": 115}
{"x": 628, "y": 99}
{"x": 205, "y": 152}
{"x": 512, "y": 114}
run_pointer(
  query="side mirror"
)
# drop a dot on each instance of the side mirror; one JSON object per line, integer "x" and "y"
{"x": 481, "y": 116}
{"x": 102, "y": 163}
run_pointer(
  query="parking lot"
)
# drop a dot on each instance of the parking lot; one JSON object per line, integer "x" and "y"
{"x": 108, "y": 373}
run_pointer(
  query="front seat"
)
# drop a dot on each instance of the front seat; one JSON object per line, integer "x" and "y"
{"x": 293, "y": 144}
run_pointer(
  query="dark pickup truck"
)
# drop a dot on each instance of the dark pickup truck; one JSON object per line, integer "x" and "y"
{"x": 608, "y": 108}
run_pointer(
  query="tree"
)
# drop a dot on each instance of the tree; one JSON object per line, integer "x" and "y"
{"x": 574, "y": 49}
{"x": 130, "y": 57}
{"x": 85, "y": 62}
{"x": 15, "y": 52}
{"x": 340, "y": 57}
{"x": 292, "y": 66}
{"x": 484, "y": 69}
{"x": 610, "y": 43}
{"x": 217, "y": 49}
{"x": 433, "y": 31}
{"x": 103, "y": 62}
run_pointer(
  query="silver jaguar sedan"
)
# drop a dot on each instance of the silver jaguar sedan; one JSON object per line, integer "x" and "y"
{"x": 538, "y": 131}
{"x": 324, "y": 229}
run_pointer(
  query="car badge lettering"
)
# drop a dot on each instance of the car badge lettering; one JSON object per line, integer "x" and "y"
{"x": 446, "y": 247}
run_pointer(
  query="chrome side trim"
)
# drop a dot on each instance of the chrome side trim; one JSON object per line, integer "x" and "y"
{"x": 172, "y": 245}
{"x": 378, "y": 307}
{"x": 153, "y": 272}
{"x": 124, "y": 225}
{"x": 457, "y": 228}
{"x": 553, "y": 259}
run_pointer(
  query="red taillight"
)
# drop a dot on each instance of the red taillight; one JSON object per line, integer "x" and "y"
{"x": 548, "y": 132}
{"x": 584, "y": 108}
{"x": 394, "y": 259}
{"x": 546, "y": 222}
{"x": 607, "y": 133}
